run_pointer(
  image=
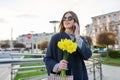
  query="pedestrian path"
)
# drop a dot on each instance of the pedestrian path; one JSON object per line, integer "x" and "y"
{"x": 111, "y": 72}
{"x": 5, "y": 72}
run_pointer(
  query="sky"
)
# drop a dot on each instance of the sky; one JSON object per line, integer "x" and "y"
{"x": 19, "y": 17}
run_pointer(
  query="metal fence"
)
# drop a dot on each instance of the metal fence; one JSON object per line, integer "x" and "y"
{"x": 94, "y": 66}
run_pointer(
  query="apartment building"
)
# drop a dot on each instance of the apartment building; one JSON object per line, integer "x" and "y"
{"x": 107, "y": 22}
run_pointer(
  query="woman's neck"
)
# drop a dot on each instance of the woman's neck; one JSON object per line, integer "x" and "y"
{"x": 69, "y": 31}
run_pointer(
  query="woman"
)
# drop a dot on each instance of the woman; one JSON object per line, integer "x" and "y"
{"x": 68, "y": 28}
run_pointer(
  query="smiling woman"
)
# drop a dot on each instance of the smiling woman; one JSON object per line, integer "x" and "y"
{"x": 58, "y": 61}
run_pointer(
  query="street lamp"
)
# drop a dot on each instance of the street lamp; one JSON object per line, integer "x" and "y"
{"x": 32, "y": 51}
{"x": 11, "y": 47}
{"x": 54, "y": 22}
{"x": 11, "y": 42}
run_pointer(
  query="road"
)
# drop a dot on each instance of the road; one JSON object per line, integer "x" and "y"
{"x": 5, "y": 69}
{"x": 5, "y": 72}
{"x": 5, "y": 55}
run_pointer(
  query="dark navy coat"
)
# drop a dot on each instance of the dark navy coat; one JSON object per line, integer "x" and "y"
{"x": 76, "y": 65}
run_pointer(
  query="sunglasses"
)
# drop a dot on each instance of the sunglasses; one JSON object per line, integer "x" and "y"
{"x": 70, "y": 18}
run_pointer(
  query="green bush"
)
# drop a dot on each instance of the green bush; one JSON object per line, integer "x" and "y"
{"x": 95, "y": 51}
{"x": 114, "y": 53}
{"x": 44, "y": 51}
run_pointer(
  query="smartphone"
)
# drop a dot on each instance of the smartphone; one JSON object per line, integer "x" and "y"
{"x": 73, "y": 27}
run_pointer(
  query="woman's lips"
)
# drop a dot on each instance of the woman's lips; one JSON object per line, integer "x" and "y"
{"x": 67, "y": 23}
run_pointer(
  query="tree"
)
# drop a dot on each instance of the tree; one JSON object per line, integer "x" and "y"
{"x": 5, "y": 46}
{"x": 89, "y": 40}
{"x": 106, "y": 38}
{"x": 43, "y": 45}
{"x": 19, "y": 45}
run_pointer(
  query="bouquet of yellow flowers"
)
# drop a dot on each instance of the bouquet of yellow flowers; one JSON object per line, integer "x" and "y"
{"x": 68, "y": 47}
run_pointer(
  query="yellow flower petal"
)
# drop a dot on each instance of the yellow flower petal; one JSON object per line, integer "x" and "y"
{"x": 68, "y": 45}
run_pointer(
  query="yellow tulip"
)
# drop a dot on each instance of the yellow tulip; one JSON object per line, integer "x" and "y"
{"x": 68, "y": 47}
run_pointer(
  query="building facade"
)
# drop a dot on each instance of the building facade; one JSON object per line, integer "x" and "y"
{"x": 107, "y": 22}
{"x": 89, "y": 30}
{"x": 35, "y": 39}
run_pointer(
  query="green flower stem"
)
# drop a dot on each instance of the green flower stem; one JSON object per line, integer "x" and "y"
{"x": 65, "y": 57}
{"x": 63, "y": 73}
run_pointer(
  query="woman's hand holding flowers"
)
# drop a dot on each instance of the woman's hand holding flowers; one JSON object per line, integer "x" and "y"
{"x": 62, "y": 65}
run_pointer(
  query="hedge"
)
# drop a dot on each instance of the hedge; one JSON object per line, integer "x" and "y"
{"x": 114, "y": 53}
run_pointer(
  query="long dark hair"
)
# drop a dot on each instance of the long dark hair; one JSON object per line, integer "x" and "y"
{"x": 61, "y": 26}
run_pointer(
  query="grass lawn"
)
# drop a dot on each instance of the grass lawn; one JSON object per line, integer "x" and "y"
{"x": 111, "y": 61}
{"x": 27, "y": 75}
{"x": 37, "y": 72}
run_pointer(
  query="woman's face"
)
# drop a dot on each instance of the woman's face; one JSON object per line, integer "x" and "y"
{"x": 68, "y": 21}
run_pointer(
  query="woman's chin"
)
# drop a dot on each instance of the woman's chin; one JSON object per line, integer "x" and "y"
{"x": 68, "y": 26}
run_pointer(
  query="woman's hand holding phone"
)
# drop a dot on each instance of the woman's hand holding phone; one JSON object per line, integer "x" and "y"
{"x": 77, "y": 30}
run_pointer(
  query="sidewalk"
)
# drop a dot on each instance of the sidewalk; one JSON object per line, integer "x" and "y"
{"x": 5, "y": 72}
{"x": 108, "y": 72}
{"x": 111, "y": 72}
